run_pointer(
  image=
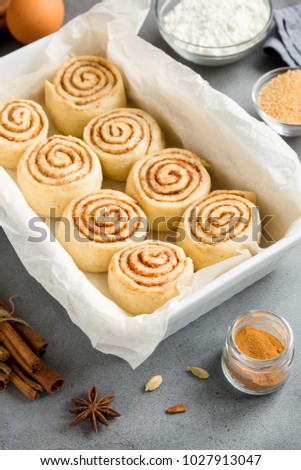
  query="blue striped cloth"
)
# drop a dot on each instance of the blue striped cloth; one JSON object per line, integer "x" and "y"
{"x": 285, "y": 40}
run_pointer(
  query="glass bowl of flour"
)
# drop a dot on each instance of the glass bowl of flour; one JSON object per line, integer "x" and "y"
{"x": 213, "y": 32}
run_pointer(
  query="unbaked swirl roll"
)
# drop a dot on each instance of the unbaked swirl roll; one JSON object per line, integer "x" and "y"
{"x": 218, "y": 226}
{"x": 83, "y": 88}
{"x": 52, "y": 173}
{"x": 99, "y": 224}
{"x": 167, "y": 182}
{"x": 22, "y": 123}
{"x": 121, "y": 137}
{"x": 142, "y": 278}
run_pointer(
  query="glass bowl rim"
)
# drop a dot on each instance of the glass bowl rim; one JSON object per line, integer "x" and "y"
{"x": 257, "y": 88}
{"x": 257, "y": 36}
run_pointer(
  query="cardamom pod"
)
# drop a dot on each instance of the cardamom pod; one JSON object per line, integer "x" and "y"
{"x": 198, "y": 372}
{"x": 153, "y": 383}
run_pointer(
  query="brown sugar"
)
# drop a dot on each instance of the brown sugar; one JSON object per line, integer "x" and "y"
{"x": 281, "y": 97}
{"x": 258, "y": 344}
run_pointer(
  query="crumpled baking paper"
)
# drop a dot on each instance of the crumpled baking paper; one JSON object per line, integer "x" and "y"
{"x": 245, "y": 154}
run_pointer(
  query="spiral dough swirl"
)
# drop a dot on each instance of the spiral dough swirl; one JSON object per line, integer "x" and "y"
{"x": 220, "y": 217}
{"x": 59, "y": 161}
{"x": 122, "y": 131}
{"x": 152, "y": 264}
{"x": 84, "y": 80}
{"x": 174, "y": 175}
{"x": 21, "y": 120}
{"x": 107, "y": 217}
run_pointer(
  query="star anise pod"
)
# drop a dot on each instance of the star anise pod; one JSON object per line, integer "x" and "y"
{"x": 94, "y": 409}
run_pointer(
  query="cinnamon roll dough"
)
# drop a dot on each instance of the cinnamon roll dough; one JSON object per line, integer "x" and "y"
{"x": 95, "y": 226}
{"x": 121, "y": 137}
{"x": 219, "y": 226}
{"x": 22, "y": 123}
{"x": 143, "y": 277}
{"x": 167, "y": 182}
{"x": 83, "y": 88}
{"x": 52, "y": 173}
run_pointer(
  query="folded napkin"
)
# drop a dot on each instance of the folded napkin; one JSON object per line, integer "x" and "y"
{"x": 285, "y": 40}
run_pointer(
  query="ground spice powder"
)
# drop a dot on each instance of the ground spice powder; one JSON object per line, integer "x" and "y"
{"x": 261, "y": 345}
{"x": 258, "y": 344}
{"x": 281, "y": 97}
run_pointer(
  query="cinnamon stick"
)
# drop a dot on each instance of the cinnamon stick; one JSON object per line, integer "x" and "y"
{"x": 35, "y": 341}
{"x": 4, "y": 353}
{"x": 51, "y": 380}
{"x": 25, "y": 377}
{"x": 5, "y": 371}
{"x": 5, "y": 368}
{"x": 23, "y": 345}
{"x": 25, "y": 352}
{"x": 23, "y": 386}
{"x": 14, "y": 353}
{"x": 4, "y": 379}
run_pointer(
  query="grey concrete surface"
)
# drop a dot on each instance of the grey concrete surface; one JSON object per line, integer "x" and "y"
{"x": 218, "y": 417}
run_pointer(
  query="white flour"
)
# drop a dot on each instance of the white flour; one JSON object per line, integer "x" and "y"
{"x": 216, "y": 23}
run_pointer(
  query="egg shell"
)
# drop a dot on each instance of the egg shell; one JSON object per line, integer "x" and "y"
{"x": 4, "y": 4}
{"x": 29, "y": 20}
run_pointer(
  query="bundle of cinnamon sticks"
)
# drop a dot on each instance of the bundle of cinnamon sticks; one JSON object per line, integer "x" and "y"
{"x": 20, "y": 357}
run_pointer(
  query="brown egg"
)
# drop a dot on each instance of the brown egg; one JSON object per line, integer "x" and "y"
{"x": 4, "y": 4}
{"x": 29, "y": 20}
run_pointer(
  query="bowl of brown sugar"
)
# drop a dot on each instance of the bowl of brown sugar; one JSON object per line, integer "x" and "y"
{"x": 277, "y": 100}
{"x": 258, "y": 352}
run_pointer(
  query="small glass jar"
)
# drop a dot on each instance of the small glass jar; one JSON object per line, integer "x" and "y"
{"x": 255, "y": 376}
